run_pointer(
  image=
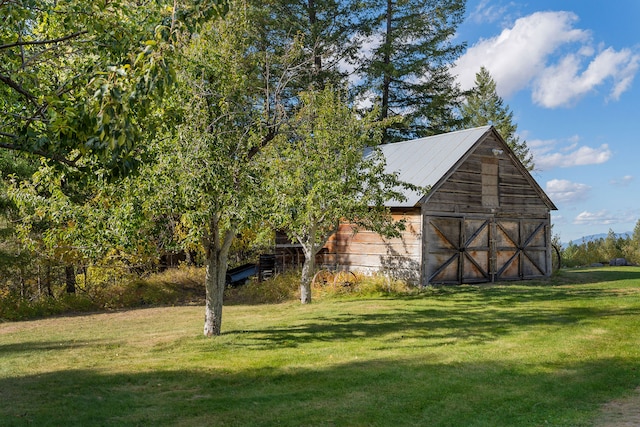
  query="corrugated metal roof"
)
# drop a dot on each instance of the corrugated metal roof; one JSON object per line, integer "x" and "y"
{"x": 423, "y": 162}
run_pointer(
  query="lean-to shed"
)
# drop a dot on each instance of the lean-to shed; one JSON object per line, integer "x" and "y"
{"x": 485, "y": 219}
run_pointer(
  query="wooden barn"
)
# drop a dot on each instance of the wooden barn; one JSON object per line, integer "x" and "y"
{"x": 485, "y": 218}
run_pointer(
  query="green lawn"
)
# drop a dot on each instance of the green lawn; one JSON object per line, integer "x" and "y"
{"x": 524, "y": 354}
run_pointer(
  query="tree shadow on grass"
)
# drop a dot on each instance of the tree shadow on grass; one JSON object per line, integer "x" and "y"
{"x": 434, "y": 327}
{"x": 516, "y": 294}
{"x": 31, "y": 346}
{"x": 408, "y": 392}
{"x": 462, "y": 314}
{"x": 415, "y": 390}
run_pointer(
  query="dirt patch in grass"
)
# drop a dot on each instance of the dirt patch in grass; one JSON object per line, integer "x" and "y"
{"x": 621, "y": 412}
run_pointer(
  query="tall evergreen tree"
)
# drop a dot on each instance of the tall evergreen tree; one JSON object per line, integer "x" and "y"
{"x": 407, "y": 72}
{"x": 326, "y": 28}
{"x": 484, "y": 107}
{"x": 330, "y": 35}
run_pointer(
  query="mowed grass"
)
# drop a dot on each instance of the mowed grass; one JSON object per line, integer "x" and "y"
{"x": 517, "y": 354}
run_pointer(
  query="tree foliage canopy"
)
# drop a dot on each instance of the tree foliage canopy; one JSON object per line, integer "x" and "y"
{"x": 231, "y": 101}
{"x": 603, "y": 250}
{"x": 195, "y": 104}
{"x": 328, "y": 30}
{"x": 79, "y": 80}
{"x": 326, "y": 169}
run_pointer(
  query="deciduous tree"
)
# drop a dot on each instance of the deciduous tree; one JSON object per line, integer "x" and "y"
{"x": 326, "y": 169}
{"x": 232, "y": 100}
{"x": 633, "y": 245}
{"x": 611, "y": 247}
{"x": 80, "y": 86}
{"x": 79, "y": 79}
{"x": 15, "y": 259}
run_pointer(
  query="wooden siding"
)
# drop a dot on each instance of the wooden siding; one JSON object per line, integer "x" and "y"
{"x": 486, "y": 222}
{"x": 369, "y": 252}
{"x": 467, "y": 189}
{"x": 522, "y": 248}
{"x": 490, "y": 183}
{"x": 457, "y": 250}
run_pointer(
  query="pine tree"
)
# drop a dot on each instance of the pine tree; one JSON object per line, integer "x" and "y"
{"x": 634, "y": 244}
{"x": 407, "y": 74}
{"x": 326, "y": 28}
{"x": 484, "y": 107}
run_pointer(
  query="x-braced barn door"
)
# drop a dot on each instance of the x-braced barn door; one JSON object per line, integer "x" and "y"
{"x": 521, "y": 249}
{"x": 459, "y": 250}
{"x": 468, "y": 250}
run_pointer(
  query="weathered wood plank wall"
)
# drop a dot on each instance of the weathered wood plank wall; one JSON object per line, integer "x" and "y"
{"x": 367, "y": 251}
{"x": 464, "y": 190}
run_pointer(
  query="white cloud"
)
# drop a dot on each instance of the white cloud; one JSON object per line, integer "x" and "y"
{"x": 602, "y": 217}
{"x": 544, "y": 51}
{"x": 540, "y": 146}
{"x": 557, "y": 218}
{"x": 622, "y": 182}
{"x": 485, "y": 12}
{"x": 575, "y": 139}
{"x": 562, "y": 190}
{"x": 605, "y": 217}
{"x": 516, "y": 56}
{"x": 564, "y": 83}
{"x": 547, "y": 155}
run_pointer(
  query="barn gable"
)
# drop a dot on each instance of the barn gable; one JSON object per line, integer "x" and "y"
{"x": 424, "y": 162}
{"x": 456, "y": 160}
{"x": 488, "y": 177}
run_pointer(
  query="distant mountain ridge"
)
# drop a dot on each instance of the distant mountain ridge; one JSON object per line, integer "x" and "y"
{"x": 593, "y": 237}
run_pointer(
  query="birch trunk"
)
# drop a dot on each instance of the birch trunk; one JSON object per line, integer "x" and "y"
{"x": 216, "y": 270}
{"x": 308, "y": 269}
{"x": 217, "y": 261}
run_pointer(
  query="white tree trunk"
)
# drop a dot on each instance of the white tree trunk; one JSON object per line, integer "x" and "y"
{"x": 308, "y": 269}
{"x": 217, "y": 253}
{"x": 216, "y": 270}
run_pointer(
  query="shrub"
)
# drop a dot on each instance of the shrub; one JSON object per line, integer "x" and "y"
{"x": 173, "y": 286}
{"x": 280, "y": 288}
{"x": 110, "y": 288}
{"x": 113, "y": 288}
{"x": 358, "y": 284}
{"x": 14, "y": 307}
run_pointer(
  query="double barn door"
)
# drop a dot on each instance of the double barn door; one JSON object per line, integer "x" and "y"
{"x": 471, "y": 250}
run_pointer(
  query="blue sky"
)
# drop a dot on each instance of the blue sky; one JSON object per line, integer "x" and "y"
{"x": 568, "y": 69}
